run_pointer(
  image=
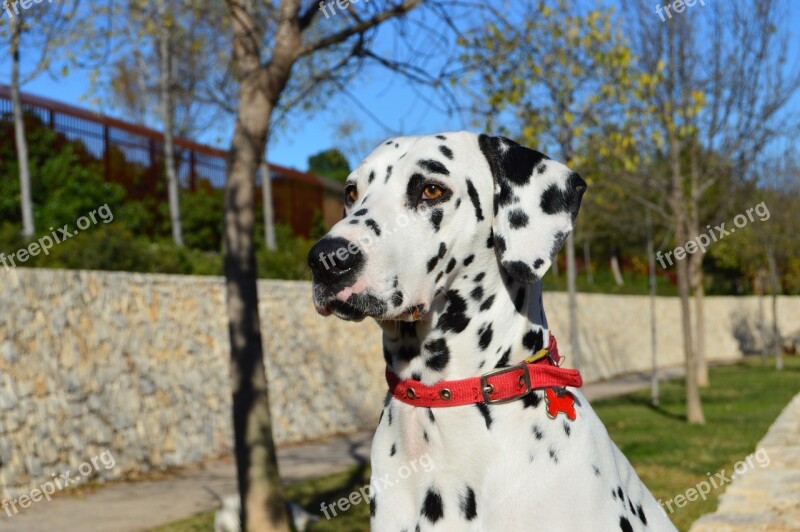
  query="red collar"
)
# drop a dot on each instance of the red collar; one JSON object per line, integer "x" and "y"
{"x": 498, "y": 386}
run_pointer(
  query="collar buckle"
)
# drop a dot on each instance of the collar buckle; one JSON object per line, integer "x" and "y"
{"x": 524, "y": 380}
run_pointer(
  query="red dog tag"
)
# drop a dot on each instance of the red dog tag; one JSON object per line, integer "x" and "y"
{"x": 561, "y": 401}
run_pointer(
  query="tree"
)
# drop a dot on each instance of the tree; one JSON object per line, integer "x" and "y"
{"x": 552, "y": 77}
{"x": 280, "y": 57}
{"x": 163, "y": 69}
{"x": 747, "y": 55}
{"x": 330, "y": 163}
{"x": 58, "y": 22}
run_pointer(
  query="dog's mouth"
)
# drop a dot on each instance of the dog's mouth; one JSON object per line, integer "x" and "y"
{"x": 355, "y": 308}
{"x": 359, "y": 306}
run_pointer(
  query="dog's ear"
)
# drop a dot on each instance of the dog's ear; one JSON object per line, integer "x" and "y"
{"x": 536, "y": 200}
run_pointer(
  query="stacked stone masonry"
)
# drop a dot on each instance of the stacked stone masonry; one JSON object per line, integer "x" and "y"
{"x": 139, "y": 365}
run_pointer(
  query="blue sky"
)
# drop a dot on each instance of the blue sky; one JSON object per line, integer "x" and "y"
{"x": 385, "y": 95}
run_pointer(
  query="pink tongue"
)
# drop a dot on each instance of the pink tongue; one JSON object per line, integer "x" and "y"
{"x": 324, "y": 311}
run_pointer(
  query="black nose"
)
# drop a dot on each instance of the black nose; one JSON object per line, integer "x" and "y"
{"x": 335, "y": 262}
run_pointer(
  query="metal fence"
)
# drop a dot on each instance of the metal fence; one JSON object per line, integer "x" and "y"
{"x": 133, "y": 156}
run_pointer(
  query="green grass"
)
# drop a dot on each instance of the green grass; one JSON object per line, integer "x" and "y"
{"x": 670, "y": 455}
{"x": 603, "y": 283}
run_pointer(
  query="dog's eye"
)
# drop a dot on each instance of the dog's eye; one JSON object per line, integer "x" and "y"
{"x": 432, "y": 192}
{"x": 350, "y": 194}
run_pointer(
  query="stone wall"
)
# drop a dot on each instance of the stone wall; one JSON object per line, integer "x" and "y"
{"x": 138, "y": 364}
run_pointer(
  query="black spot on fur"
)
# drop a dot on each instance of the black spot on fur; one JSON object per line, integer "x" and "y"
{"x": 624, "y": 524}
{"x": 567, "y": 429}
{"x": 436, "y": 218}
{"x": 477, "y": 293}
{"x": 441, "y": 354}
{"x": 441, "y": 137}
{"x": 508, "y": 160}
{"x": 373, "y": 506}
{"x": 353, "y": 222}
{"x": 620, "y": 493}
{"x": 553, "y": 454}
{"x": 504, "y": 197}
{"x": 476, "y": 202}
{"x": 538, "y": 263}
{"x": 521, "y": 271}
{"x": 454, "y": 318}
{"x": 388, "y": 173}
{"x": 500, "y": 243}
{"x": 533, "y": 340}
{"x": 542, "y": 168}
{"x": 435, "y": 260}
{"x": 374, "y": 226}
{"x": 537, "y": 432}
{"x": 371, "y": 177}
{"x": 439, "y": 276}
{"x": 447, "y": 152}
{"x": 479, "y": 277}
{"x": 468, "y": 505}
{"x": 532, "y": 400}
{"x": 503, "y": 362}
{"x": 486, "y": 305}
{"x": 393, "y": 450}
{"x": 433, "y": 508}
{"x": 434, "y": 167}
{"x": 397, "y": 298}
{"x": 486, "y": 413}
{"x": 519, "y": 300}
{"x": 485, "y": 337}
{"x": 596, "y": 470}
{"x": 414, "y": 189}
{"x": 468, "y": 260}
{"x": 431, "y": 416}
{"x": 361, "y": 212}
{"x": 555, "y": 200}
{"x": 425, "y": 435}
{"x": 518, "y": 219}
{"x": 407, "y": 353}
{"x": 490, "y": 240}
{"x": 450, "y": 266}
{"x": 416, "y": 376}
{"x": 640, "y": 513}
{"x": 630, "y": 505}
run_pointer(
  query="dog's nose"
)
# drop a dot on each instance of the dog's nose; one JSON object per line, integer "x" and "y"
{"x": 335, "y": 262}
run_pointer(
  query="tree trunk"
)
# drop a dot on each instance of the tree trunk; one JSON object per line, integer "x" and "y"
{"x": 26, "y": 202}
{"x": 696, "y": 269}
{"x": 587, "y": 260}
{"x": 269, "y": 209}
{"x": 263, "y": 507}
{"x": 616, "y": 271}
{"x": 694, "y": 408}
{"x": 653, "y": 339}
{"x": 167, "y": 119}
{"x": 777, "y": 342}
{"x": 572, "y": 296}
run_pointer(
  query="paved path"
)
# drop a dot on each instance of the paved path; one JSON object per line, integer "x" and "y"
{"x": 765, "y": 498}
{"x": 136, "y": 506}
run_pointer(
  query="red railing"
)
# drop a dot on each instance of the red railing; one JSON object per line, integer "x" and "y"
{"x": 119, "y": 145}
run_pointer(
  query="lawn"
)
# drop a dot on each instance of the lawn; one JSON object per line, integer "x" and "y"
{"x": 669, "y": 455}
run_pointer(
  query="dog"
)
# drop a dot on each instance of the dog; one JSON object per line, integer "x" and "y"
{"x": 444, "y": 241}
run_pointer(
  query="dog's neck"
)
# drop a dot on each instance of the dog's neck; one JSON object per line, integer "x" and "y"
{"x": 469, "y": 329}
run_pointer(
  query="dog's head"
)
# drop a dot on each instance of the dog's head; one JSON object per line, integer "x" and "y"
{"x": 418, "y": 210}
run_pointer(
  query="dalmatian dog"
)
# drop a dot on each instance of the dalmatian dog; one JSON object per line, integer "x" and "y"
{"x": 444, "y": 241}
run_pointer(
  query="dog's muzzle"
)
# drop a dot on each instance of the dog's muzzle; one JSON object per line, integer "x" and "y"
{"x": 335, "y": 263}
